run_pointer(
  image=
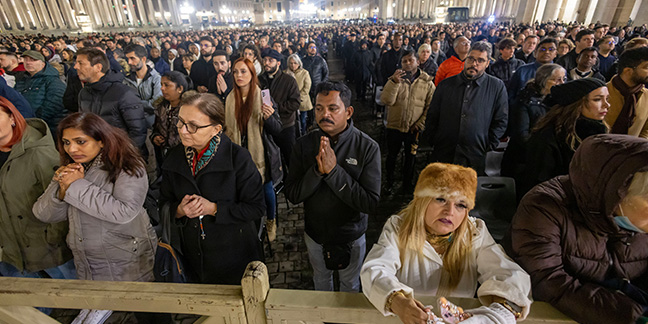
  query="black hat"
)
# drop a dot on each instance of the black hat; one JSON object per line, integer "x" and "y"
{"x": 272, "y": 53}
{"x": 572, "y": 91}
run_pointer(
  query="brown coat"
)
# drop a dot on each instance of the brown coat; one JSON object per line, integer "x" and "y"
{"x": 565, "y": 237}
{"x": 640, "y": 124}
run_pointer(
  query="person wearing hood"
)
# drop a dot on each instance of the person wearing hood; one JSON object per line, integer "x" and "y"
{"x": 105, "y": 95}
{"x": 581, "y": 236}
{"x": 175, "y": 62}
{"x": 160, "y": 64}
{"x": 30, "y": 248}
{"x": 578, "y": 110}
{"x": 43, "y": 89}
{"x": 16, "y": 99}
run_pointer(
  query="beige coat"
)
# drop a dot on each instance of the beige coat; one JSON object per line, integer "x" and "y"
{"x": 255, "y": 129}
{"x": 640, "y": 125}
{"x": 304, "y": 83}
{"x": 407, "y": 102}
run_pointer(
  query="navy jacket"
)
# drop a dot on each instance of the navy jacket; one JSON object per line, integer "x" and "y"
{"x": 16, "y": 99}
{"x": 461, "y": 130}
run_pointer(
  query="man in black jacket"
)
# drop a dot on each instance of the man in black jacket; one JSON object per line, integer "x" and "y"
{"x": 222, "y": 82}
{"x": 391, "y": 60}
{"x": 335, "y": 171}
{"x": 105, "y": 95}
{"x": 468, "y": 113}
{"x": 285, "y": 92}
{"x": 316, "y": 67}
{"x": 203, "y": 69}
{"x": 584, "y": 39}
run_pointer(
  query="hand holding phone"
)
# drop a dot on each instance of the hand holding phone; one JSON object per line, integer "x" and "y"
{"x": 265, "y": 97}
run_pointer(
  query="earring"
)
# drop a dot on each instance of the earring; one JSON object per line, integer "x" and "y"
{"x": 13, "y": 124}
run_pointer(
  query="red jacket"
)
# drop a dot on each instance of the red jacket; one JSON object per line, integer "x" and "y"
{"x": 450, "y": 67}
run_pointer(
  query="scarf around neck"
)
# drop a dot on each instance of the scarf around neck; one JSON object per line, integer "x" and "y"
{"x": 198, "y": 160}
{"x": 630, "y": 97}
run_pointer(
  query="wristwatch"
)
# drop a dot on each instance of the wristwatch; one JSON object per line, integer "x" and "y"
{"x": 513, "y": 308}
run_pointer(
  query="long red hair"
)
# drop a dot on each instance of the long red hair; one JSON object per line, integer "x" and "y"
{"x": 19, "y": 129}
{"x": 118, "y": 154}
{"x": 244, "y": 109}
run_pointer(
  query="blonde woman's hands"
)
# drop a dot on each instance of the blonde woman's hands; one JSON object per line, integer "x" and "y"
{"x": 409, "y": 310}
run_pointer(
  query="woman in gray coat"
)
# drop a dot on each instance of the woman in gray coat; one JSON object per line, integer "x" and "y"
{"x": 100, "y": 188}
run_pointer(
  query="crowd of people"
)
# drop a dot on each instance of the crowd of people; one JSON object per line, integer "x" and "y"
{"x": 105, "y": 137}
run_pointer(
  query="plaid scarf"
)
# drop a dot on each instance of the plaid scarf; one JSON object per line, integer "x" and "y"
{"x": 197, "y": 161}
{"x": 630, "y": 98}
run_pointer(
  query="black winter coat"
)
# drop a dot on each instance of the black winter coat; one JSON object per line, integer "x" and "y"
{"x": 430, "y": 67}
{"x": 504, "y": 70}
{"x": 390, "y": 62}
{"x": 285, "y": 92}
{"x": 549, "y": 155}
{"x": 232, "y": 181}
{"x": 118, "y": 104}
{"x": 362, "y": 62}
{"x": 201, "y": 71}
{"x": 522, "y": 118}
{"x": 318, "y": 70}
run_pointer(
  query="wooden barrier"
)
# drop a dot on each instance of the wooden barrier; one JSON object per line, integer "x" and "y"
{"x": 253, "y": 302}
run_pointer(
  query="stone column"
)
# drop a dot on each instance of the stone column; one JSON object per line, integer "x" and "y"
{"x": 605, "y": 10}
{"x": 34, "y": 14}
{"x": 56, "y": 13}
{"x": 624, "y": 11}
{"x": 151, "y": 13}
{"x": 142, "y": 13}
{"x": 43, "y": 15}
{"x": 161, "y": 8}
{"x": 66, "y": 10}
{"x": 10, "y": 14}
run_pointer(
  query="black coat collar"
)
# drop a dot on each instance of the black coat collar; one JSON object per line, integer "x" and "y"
{"x": 221, "y": 162}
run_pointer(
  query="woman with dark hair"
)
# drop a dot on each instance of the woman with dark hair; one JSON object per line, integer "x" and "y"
{"x": 247, "y": 118}
{"x": 251, "y": 52}
{"x": 30, "y": 247}
{"x": 528, "y": 109}
{"x": 165, "y": 136}
{"x": 100, "y": 189}
{"x": 578, "y": 110}
{"x": 212, "y": 189}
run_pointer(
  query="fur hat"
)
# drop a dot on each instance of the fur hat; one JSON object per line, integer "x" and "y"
{"x": 448, "y": 180}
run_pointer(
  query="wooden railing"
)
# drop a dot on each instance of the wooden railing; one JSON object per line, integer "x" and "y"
{"x": 253, "y": 302}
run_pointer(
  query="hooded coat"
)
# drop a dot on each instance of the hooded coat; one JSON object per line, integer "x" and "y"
{"x": 564, "y": 234}
{"x": 116, "y": 103}
{"x": 25, "y": 242}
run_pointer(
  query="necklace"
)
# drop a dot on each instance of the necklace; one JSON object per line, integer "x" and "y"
{"x": 440, "y": 243}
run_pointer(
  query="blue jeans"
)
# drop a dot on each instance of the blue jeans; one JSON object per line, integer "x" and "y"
{"x": 64, "y": 271}
{"x": 349, "y": 277}
{"x": 270, "y": 199}
{"x": 302, "y": 122}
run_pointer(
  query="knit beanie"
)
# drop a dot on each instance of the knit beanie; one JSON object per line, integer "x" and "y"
{"x": 572, "y": 91}
{"x": 448, "y": 180}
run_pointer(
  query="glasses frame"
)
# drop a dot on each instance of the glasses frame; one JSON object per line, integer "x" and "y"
{"x": 184, "y": 124}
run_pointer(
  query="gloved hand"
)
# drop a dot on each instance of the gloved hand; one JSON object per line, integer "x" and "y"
{"x": 493, "y": 314}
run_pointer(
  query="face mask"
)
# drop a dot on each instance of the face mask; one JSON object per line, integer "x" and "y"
{"x": 625, "y": 223}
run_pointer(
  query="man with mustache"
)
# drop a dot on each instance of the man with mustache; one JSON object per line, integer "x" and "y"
{"x": 221, "y": 83}
{"x": 545, "y": 53}
{"x": 203, "y": 69}
{"x": 285, "y": 92}
{"x": 335, "y": 171}
{"x": 468, "y": 113}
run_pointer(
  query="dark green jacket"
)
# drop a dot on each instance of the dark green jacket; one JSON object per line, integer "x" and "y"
{"x": 44, "y": 91}
{"x": 26, "y": 242}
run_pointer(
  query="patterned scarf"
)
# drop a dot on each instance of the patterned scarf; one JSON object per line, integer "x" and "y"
{"x": 630, "y": 98}
{"x": 192, "y": 154}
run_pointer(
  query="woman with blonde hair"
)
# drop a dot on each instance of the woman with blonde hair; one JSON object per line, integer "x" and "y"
{"x": 296, "y": 69}
{"x": 578, "y": 109}
{"x": 433, "y": 248}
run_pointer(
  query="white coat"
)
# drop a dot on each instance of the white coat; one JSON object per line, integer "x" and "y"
{"x": 382, "y": 272}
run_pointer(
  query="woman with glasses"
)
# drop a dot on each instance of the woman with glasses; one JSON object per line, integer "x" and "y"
{"x": 214, "y": 193}
{"x": 577, "y": 111}
{"x": 527, "y": 110}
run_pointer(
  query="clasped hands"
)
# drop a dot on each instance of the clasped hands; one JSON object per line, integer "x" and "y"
{"x": 326, "y": 159}
{"x": 67, "y": 174}
{"x": 194, "y": 206}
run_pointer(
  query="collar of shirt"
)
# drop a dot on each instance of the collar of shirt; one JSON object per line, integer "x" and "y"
{"x": 476, "y": 82}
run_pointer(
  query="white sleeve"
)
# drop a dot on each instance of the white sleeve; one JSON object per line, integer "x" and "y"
{"x": 378, "y": 274}
{"x": 498, "y": 274}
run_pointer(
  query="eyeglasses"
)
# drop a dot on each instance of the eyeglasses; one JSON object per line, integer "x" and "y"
{"x": 471, "y": 59}
{"x": 191, "y": 128}
{"x": 312, "y": 47}
{"x": 550, "y": 49}
{"x": 464, "y": 43}
{"x": 611, "y": 43}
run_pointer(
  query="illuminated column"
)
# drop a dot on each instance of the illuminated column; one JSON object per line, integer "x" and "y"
{"x": 151, "y": 13}
{"x": 11, "y": 16}
{"x": 41, "y": 12}
{"x": 55, "y": 11}
{"x": 67, "y": 14}
{"x": 142, "y": 13}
